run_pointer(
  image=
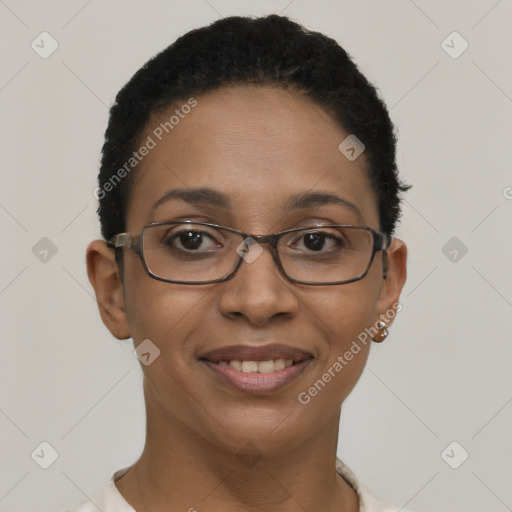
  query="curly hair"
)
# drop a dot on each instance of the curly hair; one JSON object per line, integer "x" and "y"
{"x": 270, "y": 50}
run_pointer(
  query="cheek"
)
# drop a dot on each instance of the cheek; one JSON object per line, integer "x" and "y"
{"x": 343, "y": 312}
{"x": 168, "y": 314}
{"x": 342, "y": 315}
{"x": 163, "y": 312}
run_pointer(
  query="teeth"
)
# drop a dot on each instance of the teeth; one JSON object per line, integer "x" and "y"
{"x": 279, "y": 364}
{"x": 266, "y": 366}
{"x": 237, "y": 365}
{"x": 249, "y": 366}
{"x": 258, "y": 366}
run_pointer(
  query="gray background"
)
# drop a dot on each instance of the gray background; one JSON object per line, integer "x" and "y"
{"x": 444, "y": 373}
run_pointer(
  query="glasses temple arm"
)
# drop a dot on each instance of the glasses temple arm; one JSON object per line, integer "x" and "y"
{"x": 120, "y": 240}
{"x": 384, "y": 246}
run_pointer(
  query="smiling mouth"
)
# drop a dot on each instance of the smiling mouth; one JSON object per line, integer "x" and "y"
{"x": 257, "y": 377}
{"x": 256, "y": 369}
{"x": 250, "y": 366}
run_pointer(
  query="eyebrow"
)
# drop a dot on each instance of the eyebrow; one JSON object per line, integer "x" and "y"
{"x": 310, "y": 199}
{"x": 195, "y": 196}
{"x": 211, "y": 197}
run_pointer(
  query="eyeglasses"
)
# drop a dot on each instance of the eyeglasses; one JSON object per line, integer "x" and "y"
{"x": 188, "y": 252}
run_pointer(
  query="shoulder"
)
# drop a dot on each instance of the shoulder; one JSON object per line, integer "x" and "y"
{"x": 367, "y": 501}
{"x": 108, "y": 499}
{"x": 373, "y": 504}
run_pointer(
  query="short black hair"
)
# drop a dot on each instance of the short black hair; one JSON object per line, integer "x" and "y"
{"x": 269, "y": 50}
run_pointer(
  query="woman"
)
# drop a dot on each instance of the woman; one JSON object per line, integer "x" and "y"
{"x": 249, "y": 343}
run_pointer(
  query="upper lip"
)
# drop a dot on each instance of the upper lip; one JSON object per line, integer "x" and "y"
{"x": 259, "y": 353}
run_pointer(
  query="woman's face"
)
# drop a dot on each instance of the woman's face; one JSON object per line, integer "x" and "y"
{"x": 258, "y": 147}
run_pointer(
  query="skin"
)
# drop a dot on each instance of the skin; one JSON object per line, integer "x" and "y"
{"x": 258, "y": 145}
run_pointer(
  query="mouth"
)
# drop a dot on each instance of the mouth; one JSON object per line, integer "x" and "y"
{"x": 257, "y": 370}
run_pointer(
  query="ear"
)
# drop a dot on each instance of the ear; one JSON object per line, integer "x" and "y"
{"x": 395, "y": 279}
{"x": 103, "y": 273}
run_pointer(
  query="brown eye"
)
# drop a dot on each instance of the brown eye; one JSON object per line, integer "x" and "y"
{"x": 318, "y": 241}
{"x": 191, "y": 240}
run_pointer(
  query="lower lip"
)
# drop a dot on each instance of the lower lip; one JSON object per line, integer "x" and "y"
{"x": 256, "y": 383}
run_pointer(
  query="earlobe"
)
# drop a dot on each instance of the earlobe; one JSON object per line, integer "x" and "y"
{"x": 103, "y": 274}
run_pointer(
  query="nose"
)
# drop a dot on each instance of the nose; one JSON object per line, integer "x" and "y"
{"x": 258, "y": 292}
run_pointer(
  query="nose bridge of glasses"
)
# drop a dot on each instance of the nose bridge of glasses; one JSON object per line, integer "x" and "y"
{"x": 251, "y": 246}
{"x": 263, "y": 239}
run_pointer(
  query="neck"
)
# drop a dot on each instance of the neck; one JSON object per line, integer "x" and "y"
{"x": 180, "y": 470}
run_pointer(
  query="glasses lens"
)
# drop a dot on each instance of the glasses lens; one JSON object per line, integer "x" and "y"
{"x": 190, "y": 252}
{"x": 198, "y": 253}
{"x": 326, "y": 254}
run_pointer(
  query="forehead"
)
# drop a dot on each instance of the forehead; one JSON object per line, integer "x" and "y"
{"x": 258, "y": 147}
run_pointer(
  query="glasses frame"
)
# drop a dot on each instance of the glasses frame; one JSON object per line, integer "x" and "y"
{"x": 380, "y": 242}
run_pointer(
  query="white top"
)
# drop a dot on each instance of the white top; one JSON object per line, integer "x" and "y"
{"x": 109, "y": 499}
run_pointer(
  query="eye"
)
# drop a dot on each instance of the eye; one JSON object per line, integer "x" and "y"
{"x": 191, "y": 240}
{"x": 318, "y": 241}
